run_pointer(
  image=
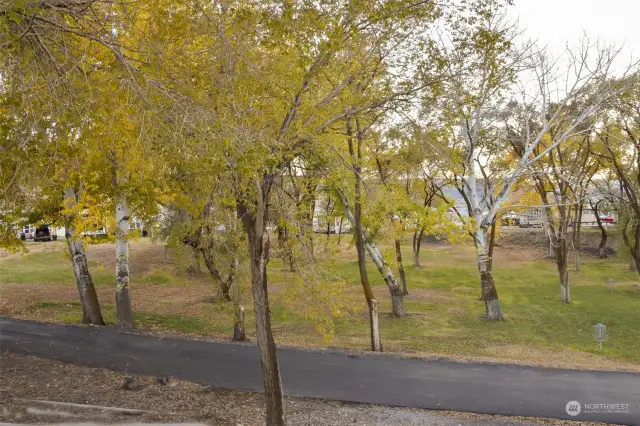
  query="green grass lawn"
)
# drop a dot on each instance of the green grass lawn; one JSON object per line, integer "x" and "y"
{"x": 450, "y": 323}
{"x": 445, "y": 313}
{"x": 47, "y": 266}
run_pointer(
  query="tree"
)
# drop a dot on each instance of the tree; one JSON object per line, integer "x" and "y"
{"x": 598, "y": 208}
{"x": 620, "y": 153}
{"x": 19, "y": 140}
{"x": 249, "y": 133}
{"x": 417, "y": 184}
{"x": 490, "y": 72}
{"x": 364, "y": 241}
{"x": 565, "y": 128}
{"x": 56, "y": 188}
{"x": 484, "y": 64}
{"x": 561, "y": 179}
{"x": 62, "y": 52}
{"x": 88, "y": 298}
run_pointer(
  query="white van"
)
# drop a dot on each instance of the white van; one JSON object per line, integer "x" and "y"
{"x": 27, "y": 232}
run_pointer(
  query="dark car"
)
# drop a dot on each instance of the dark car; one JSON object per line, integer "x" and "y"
{"x": 44, "y": 233}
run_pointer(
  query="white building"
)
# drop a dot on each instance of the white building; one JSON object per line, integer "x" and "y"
{"x": 320, "y": 218}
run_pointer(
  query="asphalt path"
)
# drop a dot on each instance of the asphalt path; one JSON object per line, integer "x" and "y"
{"x": 510, "y": 390}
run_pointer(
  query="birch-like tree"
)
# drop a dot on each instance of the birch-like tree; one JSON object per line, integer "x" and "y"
{"x": 561, "y": 179}
{"x": 620, "y": 153}
{"x": 60, "y": 54}
{"x": 492, "y": 71}
{"x": 564, "y": 122}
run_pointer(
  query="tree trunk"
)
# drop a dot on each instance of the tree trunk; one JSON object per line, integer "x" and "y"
{"x": 285, "y": 248}
{"x": 192, "y": 258}
{"x": 562, "y": 251}
{"x": 552, "y": 250}
{"x": 88, "y": 298}
{"x": 224, "y": 285}
{"x": 417, "y": 243}
{"x": 636, "y": 247}
{"x": 577, "y": 228}
{"x": 326, "y": 247}
{"x": 403, "y": 278}
{"x": 372, "y": 306}
{"x": 356, "y": 223}
{"x": 340, "y": 230}
{"x": 233, "y": 270}
{"x": 255, "y": 226}
{"x": 376, "y": 342}
{"x": 362, "y": 267}
{"x": 397, "y": 301}
{"x": 259, "y": 248}
{"x": 124, "y": 311}
{"x": 239, "y": 333}
{"x": 310, "y": 212}
{"x": 238, "y": 326}
{"x": 492, "y": 244}
{"x": 603, "y": 232}
{"x": 489, "y": 294}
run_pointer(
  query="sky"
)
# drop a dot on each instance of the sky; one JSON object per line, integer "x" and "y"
{"x": 555, "y": 23}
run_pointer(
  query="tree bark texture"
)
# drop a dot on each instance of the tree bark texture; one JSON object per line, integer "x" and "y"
{"x": 372, "y": 306}
{"x": 634, "y": 249}
{"x": 489, "y": 294}
{"x": 417, "y": 243}
{"x": 558, "y": 234}
{"x": 124, "y": 311}
{"x": 193, "y": 262}
{"x": 635, "y": 252}
{"x": 285, "y": 248}
{"x": 255, "y": 226}
{"x": 403, "y": 278}
{"x": 562, "y": 252}
{"x": 397, "y": 301}
{"x": 376, "y": 342}
{"x": 577, "y": 228}
{"x": 238, "y": 326}
{"x": 224, "y": 284}
{"x": 603, "y": 232}
{"x": 91, "y": 313}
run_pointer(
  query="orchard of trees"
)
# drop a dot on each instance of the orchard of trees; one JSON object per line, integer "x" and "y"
{"x": 224, "y": 123}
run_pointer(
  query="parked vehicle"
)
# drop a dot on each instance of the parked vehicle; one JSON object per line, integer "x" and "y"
{"x": 45, "y": 233}
{"x": 27, "y": 232}
{"x": 510, "y": 219}
{"x": 530, "y": 221}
